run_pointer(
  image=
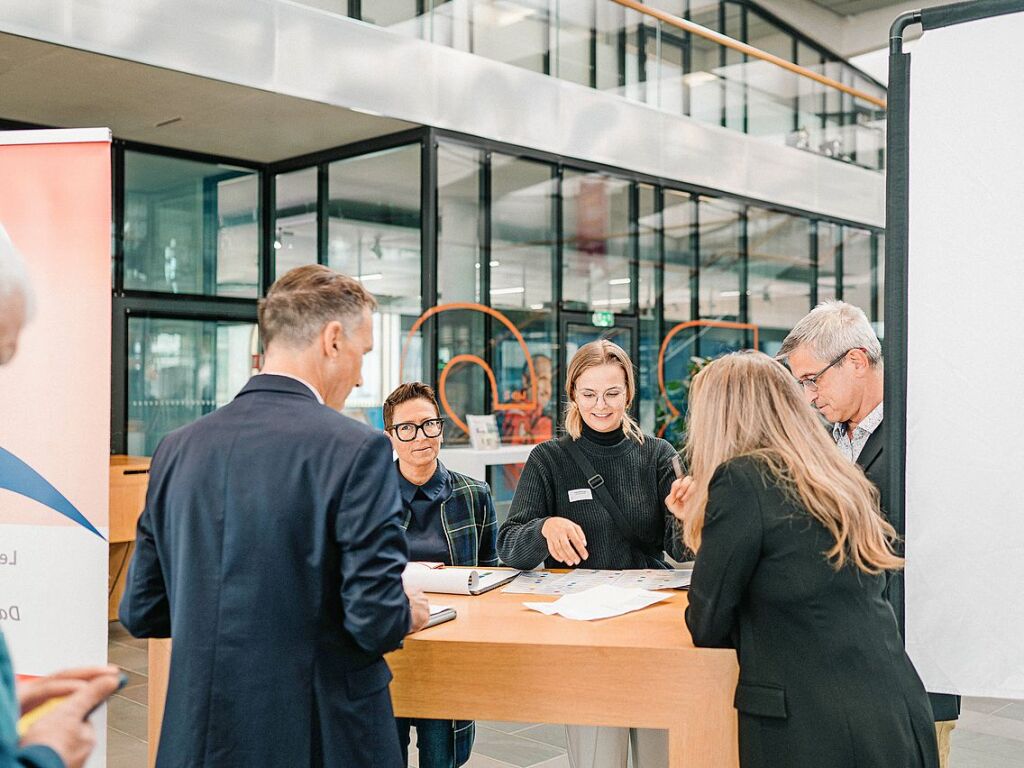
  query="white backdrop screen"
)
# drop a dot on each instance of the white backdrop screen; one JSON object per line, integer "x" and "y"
{"x": 965, "y": 392}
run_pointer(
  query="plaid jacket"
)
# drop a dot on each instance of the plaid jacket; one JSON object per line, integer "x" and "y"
{"x": 471, "y": 528}
{"x": 469, "y": 521}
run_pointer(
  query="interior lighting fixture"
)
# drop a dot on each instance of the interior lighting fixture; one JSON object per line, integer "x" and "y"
{"x": 608, "y": 302}
{"x": 370, "y": 277}
{"x": 507, "y": 291}
{"x": 620, "y": 281}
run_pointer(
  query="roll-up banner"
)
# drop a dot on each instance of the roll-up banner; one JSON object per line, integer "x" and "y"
{"x": 55, "y": 405}
{"x": 955, "y": 263}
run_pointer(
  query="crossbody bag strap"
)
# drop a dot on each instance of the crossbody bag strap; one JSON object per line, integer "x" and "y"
{"x": 597, "y": 485}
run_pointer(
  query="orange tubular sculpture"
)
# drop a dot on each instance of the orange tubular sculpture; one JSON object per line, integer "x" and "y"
{"x": 474, "y": 359}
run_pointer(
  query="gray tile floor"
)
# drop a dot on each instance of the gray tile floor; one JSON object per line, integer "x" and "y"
{"x": 990, "y": 733}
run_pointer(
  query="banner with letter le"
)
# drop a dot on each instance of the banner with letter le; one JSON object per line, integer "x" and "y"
{"x": 55, "y": 404}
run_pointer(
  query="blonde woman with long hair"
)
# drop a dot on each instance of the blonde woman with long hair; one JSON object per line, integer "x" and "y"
{"x": 563, "y": 516}
{"x": 792, "y": 556}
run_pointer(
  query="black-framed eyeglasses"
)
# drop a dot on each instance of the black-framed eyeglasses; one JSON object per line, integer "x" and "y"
{"x": 406, "y": 431}
{"x": 810, "y": 383}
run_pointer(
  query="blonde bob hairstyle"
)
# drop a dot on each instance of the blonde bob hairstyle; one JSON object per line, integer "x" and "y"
{"x": 747, "y": 404}
{"x": 601, "y": 352}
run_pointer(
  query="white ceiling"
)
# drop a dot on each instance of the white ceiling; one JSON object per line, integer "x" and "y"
{"x": 51, "y": 85}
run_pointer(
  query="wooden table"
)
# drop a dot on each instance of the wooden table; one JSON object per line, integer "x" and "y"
{"x": 515, "y": 664}
{"x": 129, "y": 477}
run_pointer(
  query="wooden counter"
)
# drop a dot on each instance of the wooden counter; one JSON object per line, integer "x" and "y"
{"x": 129, "y": 478}
{"x": 515, "y": 664}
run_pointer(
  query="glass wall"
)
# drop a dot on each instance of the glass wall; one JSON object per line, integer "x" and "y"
{"x": 179, "y": 370}
{"x": 373, "y": 231}
{"x": 295, "y": 220}
{"x": 537, "y": 255}
{"x": 190, "y": 227}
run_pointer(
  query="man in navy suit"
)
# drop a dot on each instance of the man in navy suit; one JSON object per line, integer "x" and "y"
{"x": 271, "y": 549}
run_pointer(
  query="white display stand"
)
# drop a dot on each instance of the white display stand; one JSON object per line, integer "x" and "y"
{"x": 474, "y": 463}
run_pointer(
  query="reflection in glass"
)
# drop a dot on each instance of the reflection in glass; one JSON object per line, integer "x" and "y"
{"x": 829, "y": 237}
{"x": 374, "y": 236}
{"x": 857, "y": 268}
{"x": 190, "y": 227}
{"x": 295, "y": 222}
{"x": 720, "y": 233}
{"x": 460, "y": 274}
{"x": 179, "y": 370}
{"x": 522, "y": 275}
{"x": 649, "y": 258}
{"x": 596, "y": 273}
{"x": 779, "y": 273}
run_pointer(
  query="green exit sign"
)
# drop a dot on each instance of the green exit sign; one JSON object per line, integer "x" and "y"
{"x": 603, "y": 319}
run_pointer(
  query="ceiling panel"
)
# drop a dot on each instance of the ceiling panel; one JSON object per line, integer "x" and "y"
{"x": 62, "y": 87}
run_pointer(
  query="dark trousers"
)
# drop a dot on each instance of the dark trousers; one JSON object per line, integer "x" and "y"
{"x": 436, "y": 742}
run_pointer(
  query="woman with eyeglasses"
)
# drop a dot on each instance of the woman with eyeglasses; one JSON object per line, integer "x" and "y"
{"x": 448, "y": 518}
{"x": 792, "y": 556}
{"x": 595, "y": 498}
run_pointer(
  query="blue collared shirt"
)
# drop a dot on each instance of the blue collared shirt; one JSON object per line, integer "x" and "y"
{"x": 425, "y": 533}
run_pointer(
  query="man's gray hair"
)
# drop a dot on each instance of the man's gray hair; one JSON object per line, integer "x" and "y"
{"x": 305, "y": 299}
{"x": 14, "y": 275}
{"x": 832, "y": 328}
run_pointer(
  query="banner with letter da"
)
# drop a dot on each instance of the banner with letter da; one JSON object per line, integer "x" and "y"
{"x": 55, "y": 205}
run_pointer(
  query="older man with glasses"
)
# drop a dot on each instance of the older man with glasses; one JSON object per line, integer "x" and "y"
{"x": 835, "y": 355}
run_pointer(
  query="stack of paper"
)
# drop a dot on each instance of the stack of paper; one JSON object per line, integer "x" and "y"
{"x": 547, "y": 583}
{"x": 599, "y": 603}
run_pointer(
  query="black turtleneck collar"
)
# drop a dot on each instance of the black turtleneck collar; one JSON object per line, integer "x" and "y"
{"x": 614, "y": 437}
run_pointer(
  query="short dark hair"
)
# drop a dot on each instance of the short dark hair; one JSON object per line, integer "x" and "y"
{"x": 305, "y": 299}
{"x": 413, "y": 390}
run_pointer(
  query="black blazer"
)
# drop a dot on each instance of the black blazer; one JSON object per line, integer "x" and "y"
{"x": 872, "y": 460}
{"x": 272, "y": 550}
{"x": 824, "y": 680}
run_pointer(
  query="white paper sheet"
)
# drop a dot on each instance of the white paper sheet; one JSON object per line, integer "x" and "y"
{"x": 601, "y": 602}
{"x": 547, "y": 583}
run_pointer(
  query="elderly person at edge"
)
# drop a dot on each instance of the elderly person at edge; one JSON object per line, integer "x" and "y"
{"x": 64, "y": 736}
{"x": 448, "y": 518}
{"x": 560, "y": 518}
{"x": 835, "y": 355}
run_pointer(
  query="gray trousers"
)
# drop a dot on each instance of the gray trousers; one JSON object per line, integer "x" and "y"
{"x": 601, "y": 747}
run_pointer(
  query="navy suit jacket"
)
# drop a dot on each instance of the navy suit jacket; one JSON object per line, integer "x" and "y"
{"x": 271, "y": 549}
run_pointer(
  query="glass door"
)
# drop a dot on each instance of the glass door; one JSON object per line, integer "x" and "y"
{"x": 579, "y": 328}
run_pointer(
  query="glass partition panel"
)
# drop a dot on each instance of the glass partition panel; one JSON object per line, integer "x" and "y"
{"x": 772, "y": 91}
{"x": 516, "y": 32}
{"x": 179, "y": 370}
{"x": 460, "y": 273}
{"x": 295, "y": 222}
{"x": 857, "y": 268}
{"x": 649, "y": 264}
{"x": 523, "y": 247}
{"x": 596, "y": 272}
{"x": 778, "y": 273}
{"x": 733, "y": 69}
{"x": 190, "y": 227}
{"x": 374, "y": 236}
{"x": 680, "y": 215}
{"x": 720, "y": 231}
{"x": 704, "y": 77}
{"x": 829, "y": 238}
{"x": 880, "y": 285}
{"x": 575, "y": 38}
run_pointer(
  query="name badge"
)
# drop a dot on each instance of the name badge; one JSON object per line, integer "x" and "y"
{"x": 580, "y": 494}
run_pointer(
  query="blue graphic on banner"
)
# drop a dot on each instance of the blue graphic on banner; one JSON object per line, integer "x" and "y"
{"x": 17, "y": 476}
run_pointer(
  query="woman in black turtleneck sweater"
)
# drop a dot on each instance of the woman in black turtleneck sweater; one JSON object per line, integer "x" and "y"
{"x": 556, "y": 517}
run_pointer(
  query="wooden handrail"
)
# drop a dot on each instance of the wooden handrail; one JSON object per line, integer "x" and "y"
{"x": 749, "y": 50}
